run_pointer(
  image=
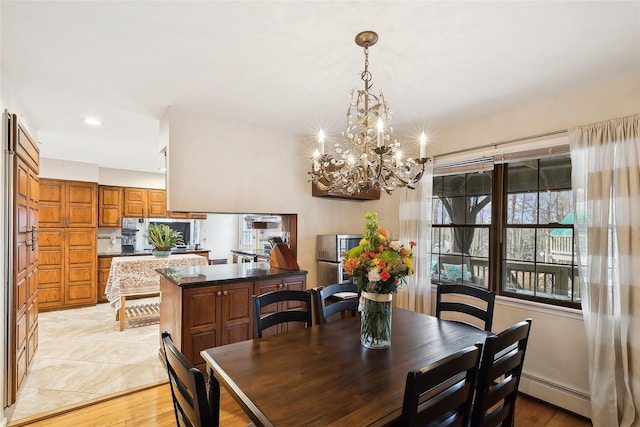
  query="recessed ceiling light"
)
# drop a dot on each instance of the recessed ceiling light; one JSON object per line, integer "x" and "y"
{"x": 92, "y": 121}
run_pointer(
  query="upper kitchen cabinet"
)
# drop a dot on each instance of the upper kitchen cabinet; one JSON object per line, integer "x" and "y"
{"x": 144, "y": 203}
{"x": 109, "y": 206}
{"x": 67, "y": 203}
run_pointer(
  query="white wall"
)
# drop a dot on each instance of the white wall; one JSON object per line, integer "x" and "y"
{"x": 218, "y": 165}
{"x": 78, "y": 171}
{"x": 219, "y": 234}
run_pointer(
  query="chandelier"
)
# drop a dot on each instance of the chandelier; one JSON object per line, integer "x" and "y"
{"x": 367, "y": 157}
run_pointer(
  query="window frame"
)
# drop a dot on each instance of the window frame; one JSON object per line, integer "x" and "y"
{"x": 497, "y": 238}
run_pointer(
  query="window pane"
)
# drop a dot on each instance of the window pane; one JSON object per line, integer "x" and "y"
{"x": 555, "y": 173}
{"x": 556, "y": 206}
{"x": 478, "y": 210}
{"x": 520, "y": 244}
{"x": 522, "y": 208}
{"x": 479, "y": 183}
{"x": 522, "y": 176}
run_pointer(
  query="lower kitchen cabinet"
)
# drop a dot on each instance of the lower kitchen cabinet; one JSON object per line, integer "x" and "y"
{"x": 67, "y": 272}
{"x": 209, "y": 316}
{"x": 201, "y": 315}
{"x": 292, "y": 283}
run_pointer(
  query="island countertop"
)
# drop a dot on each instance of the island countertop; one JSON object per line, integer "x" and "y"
{"x": 187, "y": 277}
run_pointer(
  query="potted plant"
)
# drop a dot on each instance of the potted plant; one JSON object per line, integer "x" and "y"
{"x": 163, "y": 238}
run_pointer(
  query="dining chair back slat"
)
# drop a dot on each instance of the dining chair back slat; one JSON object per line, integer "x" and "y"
{"x": 499, "y": 376}
{"x": 441, "y": 394}
{"x": 328, "y": 304}
{"x": 264, "y": 321}
{"x": 478, "y": 295}
{"x": 192, "y": 406}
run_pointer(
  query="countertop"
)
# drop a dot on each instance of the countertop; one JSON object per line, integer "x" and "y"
{"x": 148, "y": 252}
{"x": 224, "y": 273}
{"x": 255, "y": 253}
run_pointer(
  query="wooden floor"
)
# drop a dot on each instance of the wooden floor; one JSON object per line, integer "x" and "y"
{"x": 151, "y": 406}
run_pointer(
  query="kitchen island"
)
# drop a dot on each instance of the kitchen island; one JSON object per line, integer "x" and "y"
{"x": 210, "y": 306}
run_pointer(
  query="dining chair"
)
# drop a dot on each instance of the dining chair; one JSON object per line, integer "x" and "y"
{"x": 499, "y": 376}
{"x": 191, "y": 404}
{"x": 441, "y": 394}
{"x": 479, "y": 296}
{"x": 282, "y": 314}
{"x": 337, "y": 298}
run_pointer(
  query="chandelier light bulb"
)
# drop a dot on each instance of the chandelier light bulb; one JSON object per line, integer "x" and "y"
{"x": 321, "y": 142}
{"x": 423, "y": 146}
{"x": 380, "y": 132}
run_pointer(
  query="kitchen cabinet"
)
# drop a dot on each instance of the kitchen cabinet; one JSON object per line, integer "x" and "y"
{"x": 215, "y": 307}
{"x": 66, "y": 277}
{"x": 293, "y": 283}
{"x": 67, "y": 237}
{"x": 110, "y": 206}
{"x": 185, "y": 215}
{"x": 144, "y": 203}
{"x": 211, "y": 316}
{"x": 67, "y": 203}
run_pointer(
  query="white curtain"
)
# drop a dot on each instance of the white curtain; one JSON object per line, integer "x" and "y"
{"x": 415, "y": 224}
{"x": 605, "y": 159}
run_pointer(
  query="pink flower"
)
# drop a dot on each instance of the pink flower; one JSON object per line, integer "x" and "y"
{"x": 384, "y": 276}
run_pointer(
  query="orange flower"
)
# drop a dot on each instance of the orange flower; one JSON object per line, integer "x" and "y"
{"x": 382, "y": 231}
{"x": 412, "y": 243}
{"x": 350, "y": 265}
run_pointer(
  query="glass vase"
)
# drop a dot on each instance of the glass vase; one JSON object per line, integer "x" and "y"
{"x": 375, "y": 327}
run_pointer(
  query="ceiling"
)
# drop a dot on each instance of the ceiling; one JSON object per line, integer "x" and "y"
{"x": 291, "y": 65}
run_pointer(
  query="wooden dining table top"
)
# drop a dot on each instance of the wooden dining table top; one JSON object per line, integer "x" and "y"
{"x": 322, "y": 375}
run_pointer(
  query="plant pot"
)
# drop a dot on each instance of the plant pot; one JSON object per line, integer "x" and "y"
{"x": 375, "y": 326}
{"x": 161, "y": 254}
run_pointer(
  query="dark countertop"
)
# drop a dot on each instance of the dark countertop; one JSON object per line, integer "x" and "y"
{"x": 224, "y": 273}
{"x": 149, "y": 252}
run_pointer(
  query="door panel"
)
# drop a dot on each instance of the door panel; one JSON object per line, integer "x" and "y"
{"x": 22, "y": 326}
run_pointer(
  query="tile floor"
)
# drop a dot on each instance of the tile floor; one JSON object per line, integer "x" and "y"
{"x": 82, "y": 355}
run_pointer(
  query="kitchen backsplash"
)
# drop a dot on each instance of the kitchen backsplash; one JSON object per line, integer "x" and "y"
{"x": 109, "y": 240}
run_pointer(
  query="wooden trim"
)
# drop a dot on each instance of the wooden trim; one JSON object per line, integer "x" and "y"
{"x": 368, "y": 195}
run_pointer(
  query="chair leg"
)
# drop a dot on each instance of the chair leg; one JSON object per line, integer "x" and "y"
{"x": 121, "y": 312}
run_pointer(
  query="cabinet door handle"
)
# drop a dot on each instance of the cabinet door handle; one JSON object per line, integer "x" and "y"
{"x": 34, "y": 238}
{"x": 219, "y": 293}
{"x": 225, "y": 293}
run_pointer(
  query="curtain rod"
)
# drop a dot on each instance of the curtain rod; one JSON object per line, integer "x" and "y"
{"x": 497, "y": 144}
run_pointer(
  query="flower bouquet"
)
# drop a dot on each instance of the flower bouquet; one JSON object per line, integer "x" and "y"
{"x": 379, "y": 265}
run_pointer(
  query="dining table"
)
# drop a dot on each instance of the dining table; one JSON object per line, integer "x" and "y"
{"x": 136, "y": 276}
{"x": 323, "y": 376}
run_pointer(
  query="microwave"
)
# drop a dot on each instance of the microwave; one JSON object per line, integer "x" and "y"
{"x": 331, "y": 247}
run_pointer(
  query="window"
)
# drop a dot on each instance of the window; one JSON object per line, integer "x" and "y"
{"x": 509, "y": 229}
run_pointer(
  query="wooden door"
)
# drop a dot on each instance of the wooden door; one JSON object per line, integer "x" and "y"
{"x": 81, "y": 266}
{"x": 81, "y": 204}
{"x": 22, "y": 329}
{"x": 52, "y": 203}
{"x": 104, "y": 267}
{"x": 201, "y": 316}
{"x": 157, "y": 203}
{"x": 109, "y": 206}
{"x": 135, "y": 202}
{"x": 237, "y": 320}
{"x": 51, "y": 271}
